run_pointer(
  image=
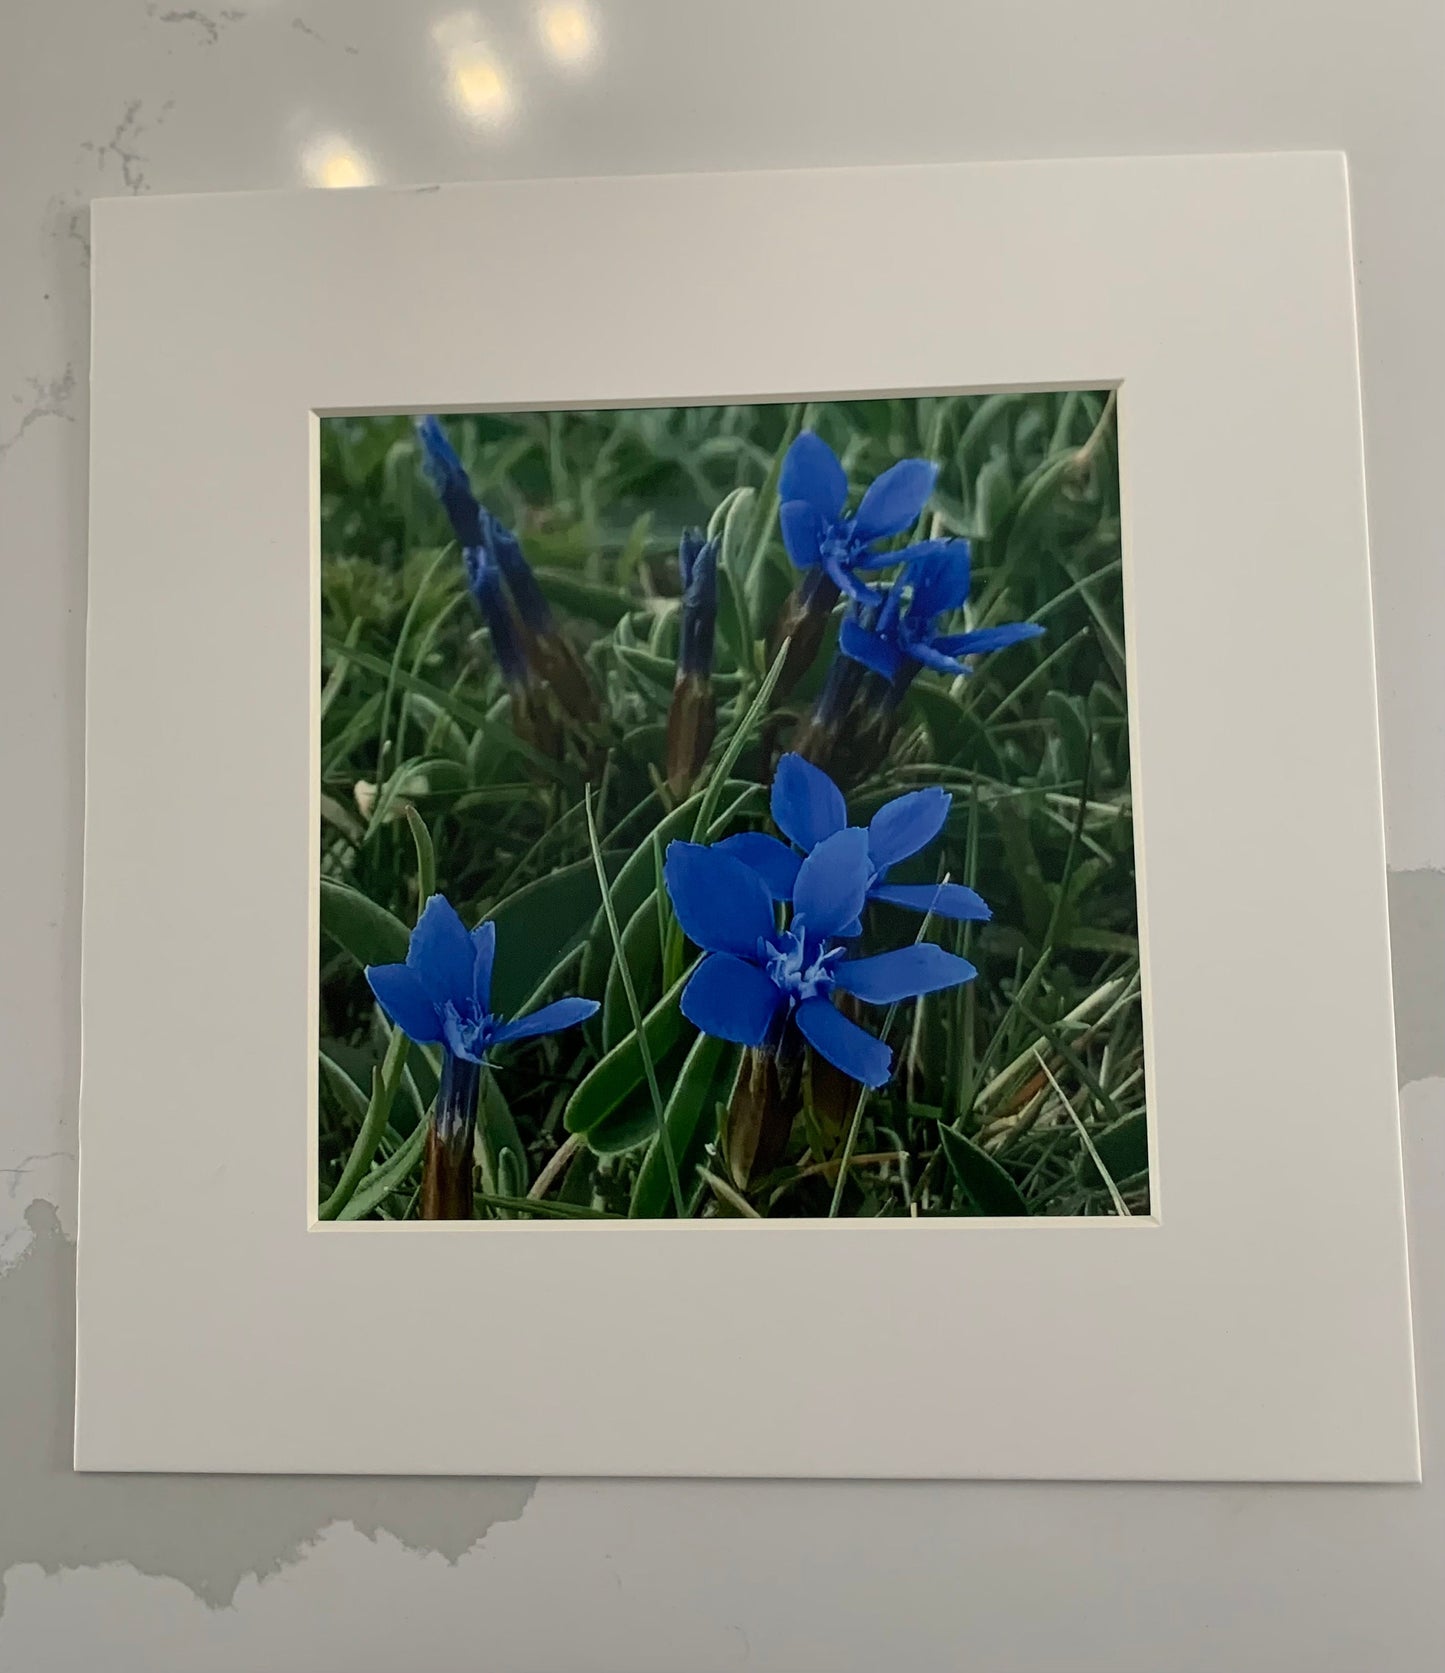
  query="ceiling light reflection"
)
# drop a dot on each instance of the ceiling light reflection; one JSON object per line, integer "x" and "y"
{"x": 479, "y": 89}
{"x": 332, "y": 161}
{"x": 477, "y": 85}
{"x": 569, "y": 31}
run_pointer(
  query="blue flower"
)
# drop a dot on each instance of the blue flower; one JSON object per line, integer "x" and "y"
{"x": 901, "y": 636}
{"x": 448, "y": 476}
{"x": 442, "y": 994}
{"x": 697, "y": 562}
{"x": 813, "y": 493}
{"x": 479, "y": 536}
{"x": 523, "y": 630}
{"x": 808, "y": 808}
{"x": 756, "y": 978}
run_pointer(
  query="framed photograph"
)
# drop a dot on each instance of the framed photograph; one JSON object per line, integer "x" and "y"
{"x": 688, "y": 652}
{"x": 698, "y": 855}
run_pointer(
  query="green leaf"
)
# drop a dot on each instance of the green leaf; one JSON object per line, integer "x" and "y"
{"x": 390, "y": 1176}
{"x": 1023, "y": 861}
{"x": 365, "y": 930}
{"x": 993, "y": 496}
{"x": 1123, "y": 1149}
{"x": 426, "y": 859}
{"x": 347, "y": 1093}
{"x": 956, "y": 732}
{"x": 604, "y": 605}
{"x": 538, "y": 927}
{"x": 985, "y": 1182}
{"x": 625, "y": 1129}
{"x": 732, "y": 578}
{"x": 460, "y": 710}
{"x": 690, "y": 1119}
{"x": 642, "y": 948}
{"x": 503, "y": 1152}
{"x": 732, "y": 625}
{"x": 620, "y": 1074}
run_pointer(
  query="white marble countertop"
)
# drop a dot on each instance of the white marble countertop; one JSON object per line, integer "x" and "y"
{"x": 199, "y": 1576}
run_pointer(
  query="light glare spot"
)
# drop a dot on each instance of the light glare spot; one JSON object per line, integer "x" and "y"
{"x": 477, "y": 85}
{"x": 335, "y": 162}
{"x": 569, "y": 32}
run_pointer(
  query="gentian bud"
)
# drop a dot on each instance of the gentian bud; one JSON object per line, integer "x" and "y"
{"x": 519, "y": 619}
{"x": 758, "y": 1121}
{"x": 692, "y": 718}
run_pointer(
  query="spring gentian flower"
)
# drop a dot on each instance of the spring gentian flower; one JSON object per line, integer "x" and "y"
{"x": 692, "y": 718}
{"x": 502, "y": 582}
{"x": 903, "y": 636}
{"x": 757, "y": 980}
{"x": 808, "y": 808}
{"x": 813, "y": 493}
{"x": 829, "y": 546}
{"x": 442, "y": 996}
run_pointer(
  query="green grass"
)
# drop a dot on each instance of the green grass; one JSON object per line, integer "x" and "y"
{"x": 1023, "y": 1092}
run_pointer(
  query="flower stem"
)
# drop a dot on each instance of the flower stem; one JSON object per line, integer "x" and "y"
{"x": 384, "y": 1082}
{"x": 736, "y": 744}
{"x": 446, "y": 1178}
{"x": 851, "y": 1143}
{"x": 664, "y": 1138}
{"x": 556, "y": 1166}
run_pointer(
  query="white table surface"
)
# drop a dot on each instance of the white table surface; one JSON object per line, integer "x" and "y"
{"x": 99, "y": 97}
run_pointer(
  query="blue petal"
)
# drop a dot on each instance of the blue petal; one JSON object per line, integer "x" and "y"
{"x": 562, "y": 1013}
{"x": 904, "y": 973}
{"x": 895, "y": 499}
{"x": 906, "y": 824}
{"x": 722, "y": 904}
{"x": 833, "y": 883}
{"x": 844, "y": 579}
{"x": 848, "y": 931}
{"x": 939, "y": 573}
{"x": 989, "y": 638}
{"x": 442, "y": 954}
{"x": 773, "y": 861}
{"x": 846, "y": 1046}
{"x": 484, "y": 943}
{"x": 806, "y": 804}
{"x": 802, "y": 531}
{"x": 448, "y": 476}
{"x": 400, "y": 994}
{"x": 871, "y": 649}
{"x": 927, "y": 652}
{"x": 811, "y": 472}
{"x": 944, "y": 900}
{"x": 731, "y": 1000}
{"x": 689, "y": 545}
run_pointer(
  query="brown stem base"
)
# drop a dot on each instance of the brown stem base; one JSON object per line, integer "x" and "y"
{"x": 446, "y": 1178}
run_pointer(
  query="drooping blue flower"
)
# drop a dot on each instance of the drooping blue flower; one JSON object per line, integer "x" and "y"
{"x": 520, "y": 622}
{"x": 448, "y": 476}
{"x": 697, "y": 561}
{"x": 758, "y": 980}
{"x": 442, "y": 994}
{"x": 477, "y": 534}
{"x": 692, "y": 714}
{"x": 903, "y": 634}
{"x": 813, "y": 496}
{"x": 808, "y": 808}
